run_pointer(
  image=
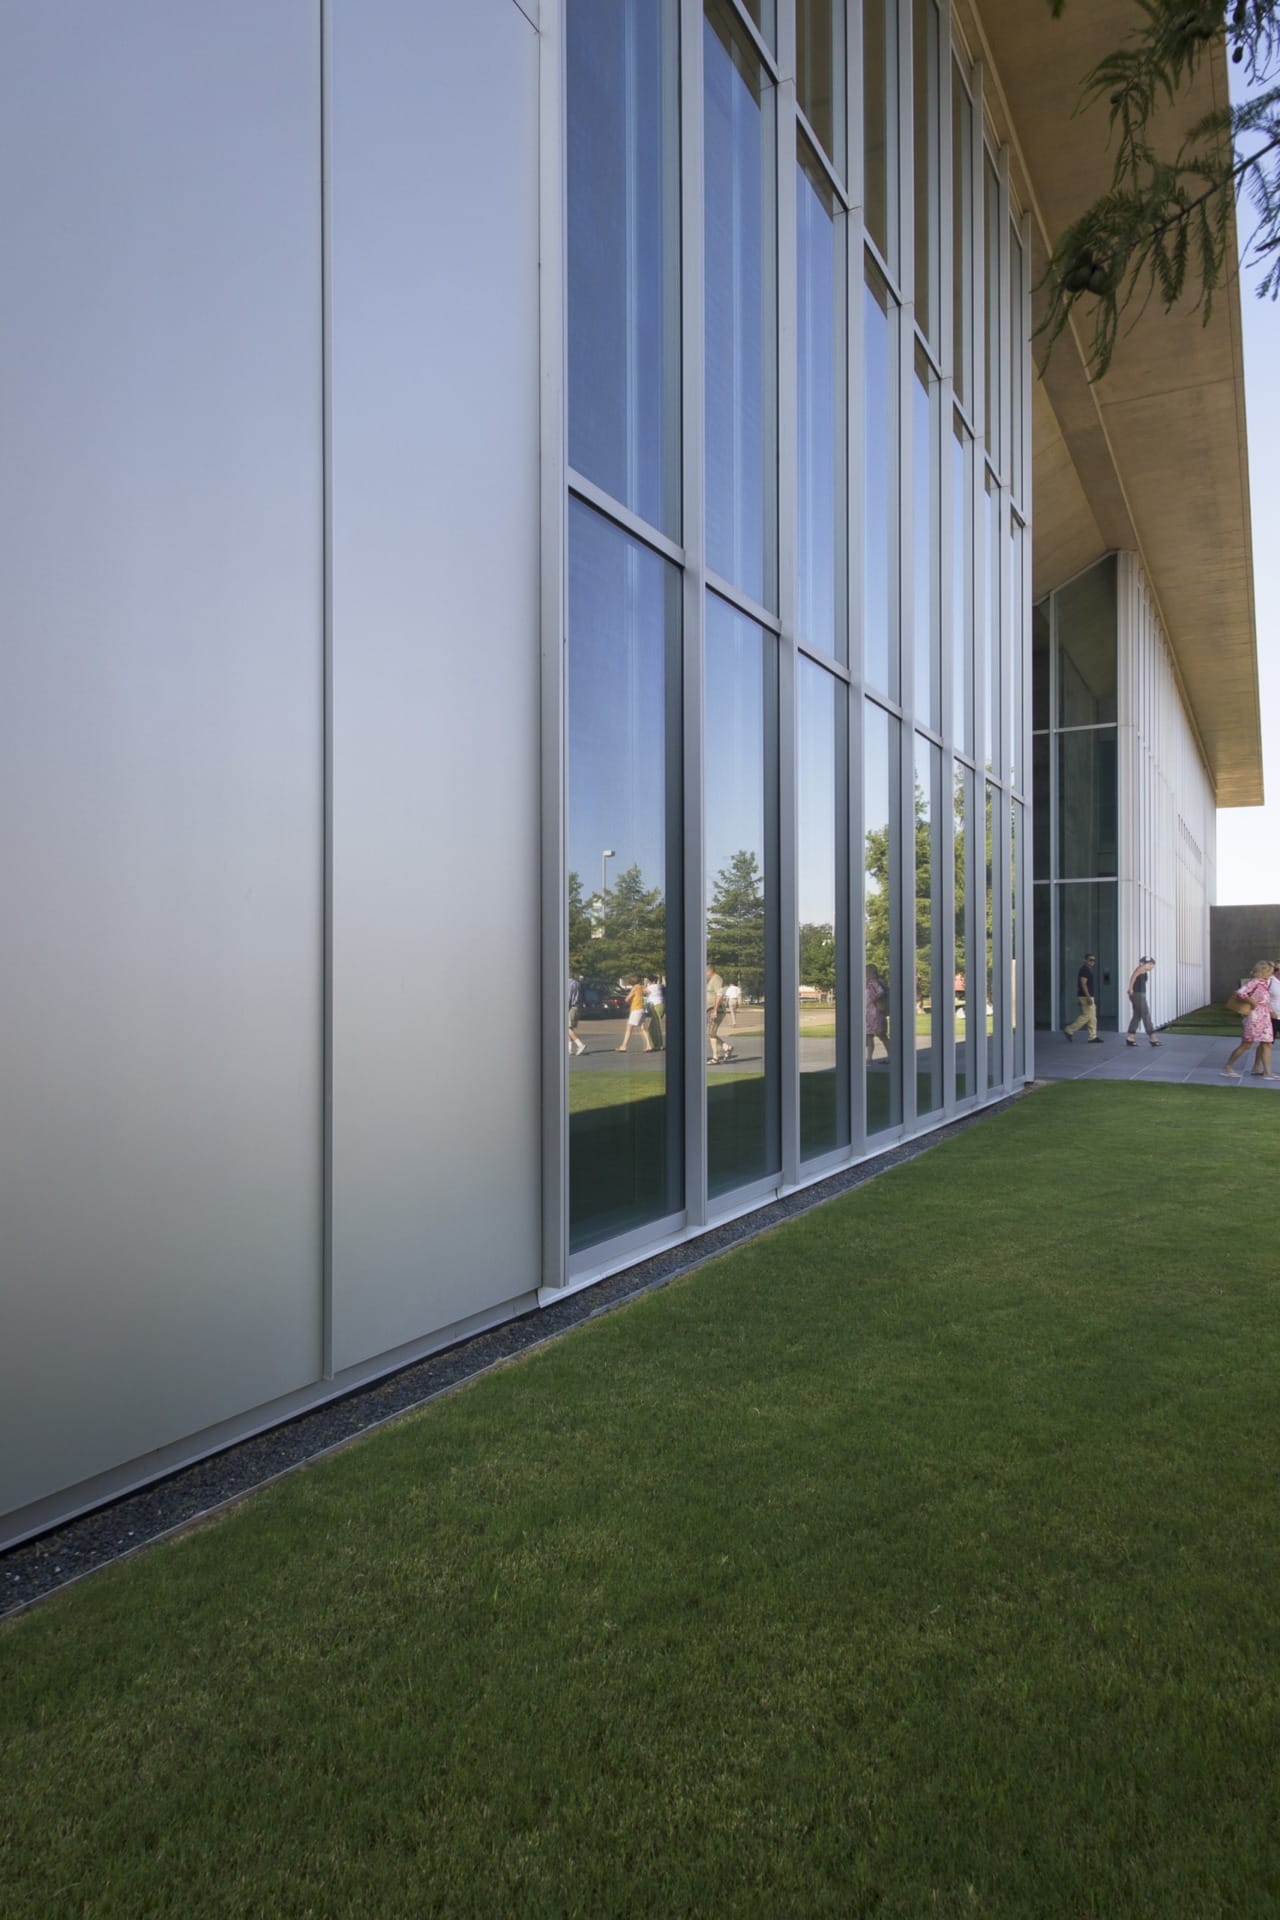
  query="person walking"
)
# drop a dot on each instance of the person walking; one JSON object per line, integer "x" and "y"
{"x": 717, "y": 1008}
{"x": 635, "y": 1016}
{"x": 1262, "y": 1058}
{"x": 655, "y": 1001}
{"x": 1256, "y": 1031}
{"x": 576, "y": 1043}
{"x": 1086, "y": 1001}
{"x": 1141, "y": 1013}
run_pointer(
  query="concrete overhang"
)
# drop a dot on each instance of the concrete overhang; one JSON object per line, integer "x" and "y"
{"x": 1153, "y": 458}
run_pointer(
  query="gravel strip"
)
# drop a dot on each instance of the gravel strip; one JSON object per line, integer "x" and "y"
{"x": 53, "y": 1560}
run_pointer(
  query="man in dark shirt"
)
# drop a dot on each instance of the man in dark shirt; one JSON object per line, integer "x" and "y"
{"x": 1087, "y": 1004}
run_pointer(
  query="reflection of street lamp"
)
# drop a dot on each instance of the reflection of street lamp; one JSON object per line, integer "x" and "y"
{"x": 604, "y": 878}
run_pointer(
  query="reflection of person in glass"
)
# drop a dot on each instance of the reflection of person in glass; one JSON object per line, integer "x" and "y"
{"x": 717, "y": 1008}
{"x": 733, "y": 1000}
{"x": 877, "y": 1009}
{"x": 635, "y": 1016}
{"x": 655, "y": 1002}
{"x": 575, "y": 1003}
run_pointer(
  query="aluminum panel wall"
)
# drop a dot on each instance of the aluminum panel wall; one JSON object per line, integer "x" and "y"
{"x": 433, "y": 163}
{"x": 161, "y": 726}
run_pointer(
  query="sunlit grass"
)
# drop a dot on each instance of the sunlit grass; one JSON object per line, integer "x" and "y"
{"x": 917, "y": 1559}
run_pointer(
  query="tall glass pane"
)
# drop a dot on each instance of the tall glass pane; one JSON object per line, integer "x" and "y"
{"x": 820, "y": 67}
{"x": 961, "y": 589}
{"x": 626, "y": 1152}
{"x": 880, "y": 505}
{"x": 1087, "y": 923}
{"x": 1040, "y": 633}
{"x": 823, "y": 1042}
{"x": 927, "y": 557}
{"x": 1088, "y": 827}
{"x": 962, "y": 803}
{"x": 962, "y": 238}
{"x": 927, "y": 171}
{"x": 741, "y": 790}
{"x": 741, "y": 331}
{"x": 880, "y": 124}
{"x": 1015, "y": 983}
{"x": 1042, "y": 907}
{"x": 1086, "y": 621}
{"x": 931, "y": 996}
{"x": 994, "y": 309}
{"x": 991, "y": 624}
{"x": 880, "y": 910}
{"x": 623, "y": 252}
{"x": 1017, "y": 359}
{"x": 995, "y": 998}
{"x": 1016, "y": 719}
{"x": 820, "y": 492}
{"x": 1041, "y": 819}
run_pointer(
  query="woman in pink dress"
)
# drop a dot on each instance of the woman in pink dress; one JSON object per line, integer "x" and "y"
{"x": 1256, "y": 1031}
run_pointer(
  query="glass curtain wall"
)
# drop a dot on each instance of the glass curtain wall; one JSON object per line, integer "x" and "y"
{"x": 711, "y": 603}
{"x": 821, "y": 811}
{"x": 1075, "y": 825}
{"x": 741, "y": 920}
{"x": 741, "y": 308}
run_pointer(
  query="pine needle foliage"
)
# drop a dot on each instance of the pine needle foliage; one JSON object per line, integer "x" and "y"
{"x": 1164, "y": 229}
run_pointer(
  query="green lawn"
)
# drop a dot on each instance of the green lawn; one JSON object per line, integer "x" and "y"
{"x": 918, "y": 1559}
{"x": 1210, "y": 1020}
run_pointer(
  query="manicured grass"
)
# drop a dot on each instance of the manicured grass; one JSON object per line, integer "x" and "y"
{"x": 1209, "y": 1020}
{"x": 918, "y": 1559}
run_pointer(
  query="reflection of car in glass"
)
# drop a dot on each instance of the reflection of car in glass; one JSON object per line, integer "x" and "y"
{"x": 598, "y": 1000}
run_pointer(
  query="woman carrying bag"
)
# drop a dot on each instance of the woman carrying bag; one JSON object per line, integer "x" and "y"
{"x": 1256, "y": 1031}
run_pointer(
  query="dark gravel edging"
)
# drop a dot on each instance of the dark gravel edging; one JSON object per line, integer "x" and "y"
{"x": 57, "y": 1559}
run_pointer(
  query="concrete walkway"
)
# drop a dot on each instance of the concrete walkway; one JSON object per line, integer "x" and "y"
{"x": 1189, "y": 1059}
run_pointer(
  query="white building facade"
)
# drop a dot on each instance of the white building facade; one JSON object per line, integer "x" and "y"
{"x": 515, "y": 695}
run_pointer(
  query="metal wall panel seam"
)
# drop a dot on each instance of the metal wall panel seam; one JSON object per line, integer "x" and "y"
{"x": 552, "y": 300}
{"x": 787, "y": 338}
{"x": 694, "y": 607}
{"x": 326, "y": 510}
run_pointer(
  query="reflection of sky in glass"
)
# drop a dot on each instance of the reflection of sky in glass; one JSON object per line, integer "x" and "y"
{"x": 994, "y": 292}
{"x": 817, "y": 406}
{"x": 924, "y": 546}
{"x": 735, "y": 375}
{"x": 620, "y": 598}
{"x": 879, "y": 413}
{"x": 734, "y": 762}
{"x": 962, "y": 227}
{"x": 623, "y": 245}
{"x": 816, "y": 795}
{"x": 961, "y": 616}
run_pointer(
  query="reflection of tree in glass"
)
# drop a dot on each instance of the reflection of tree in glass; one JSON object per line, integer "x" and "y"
{"x": 735, "y": 924}
{"x": 580, "y": 926}
{"x": 818, "y": 956}
{"x": 876, "y": 903}
{"x": 633, "y": 929}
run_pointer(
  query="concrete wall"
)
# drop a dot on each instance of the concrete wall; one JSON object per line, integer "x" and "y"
{"x": 1237, "y": 937}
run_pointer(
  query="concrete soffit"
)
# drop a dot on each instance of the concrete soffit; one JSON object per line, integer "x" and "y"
{"x": 1153, "y": 459}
